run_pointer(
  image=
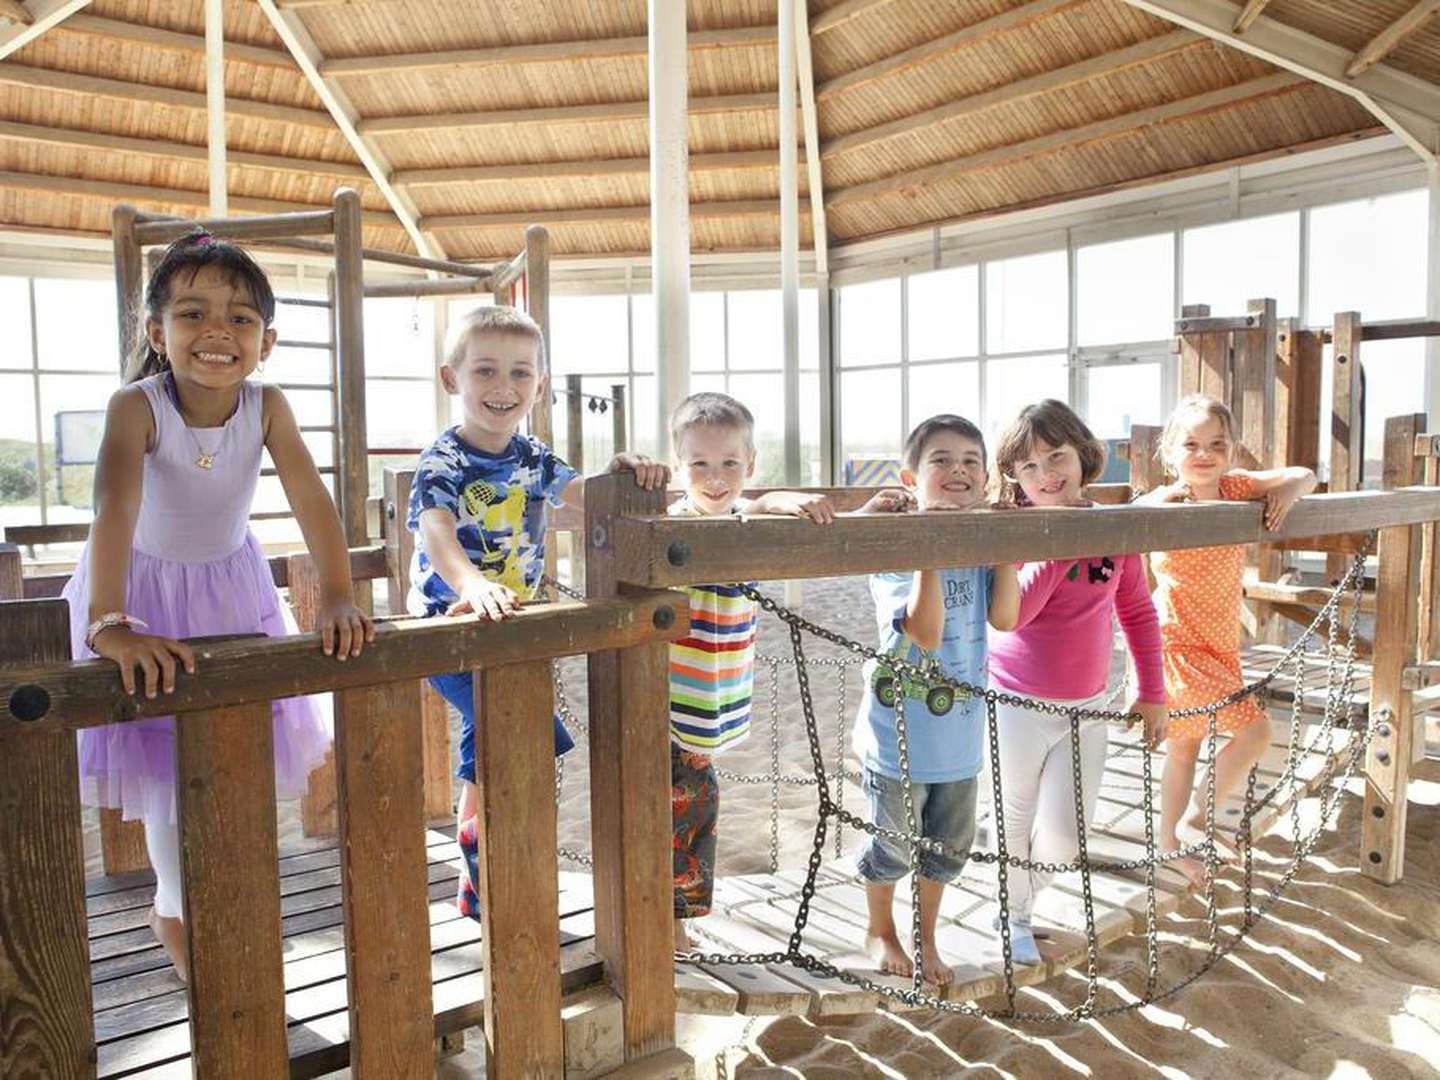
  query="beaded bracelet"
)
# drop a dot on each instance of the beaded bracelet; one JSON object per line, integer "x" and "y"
{"x": 113, "y": 618}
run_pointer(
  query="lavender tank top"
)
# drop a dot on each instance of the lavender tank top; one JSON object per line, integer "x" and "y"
{"x": 190, "y": 514}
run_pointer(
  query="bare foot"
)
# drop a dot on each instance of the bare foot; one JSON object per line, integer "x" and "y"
{"x": 682, "y": 937}
{"x": 934, "y": 967}
{"x": 889, "y": 957}
{"x": 171, "y": 935}
{"x": 1227, "y": 848}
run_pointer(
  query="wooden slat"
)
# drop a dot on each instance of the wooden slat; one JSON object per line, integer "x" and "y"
{"x": 274, "y": 220}
{"x": 1386, "y": 42}
{"x": 12, "y": 584}
{"x": 155, "y": 37}
{"x": 225, "y": 803}
{"x": 45, "y": 991}
{"x": 259, "y": 669}
{"x": 629, "y": 790}
{"x": 16, "y": 12}
{"x": 1249, "y": 14}
{"x": 583, "y": 169}
{"x": 1396, "y": 744}
{"x": 671, "y": 551}
{"x": 559, "y": 114}
{"x": 515, "y": 756}
{"x": 1396, "y": 329}
{"x": 378, "y": 766}
{"x": 1147, "y": 472}
{"x": 1428, "y": 631}
{"x": 1312, "y": 596}
{"x": 350, "y": 360}
{"x": 1347, "y": 418}
{"x": 319, "y": 814}
{"x": 1302, "y": 372}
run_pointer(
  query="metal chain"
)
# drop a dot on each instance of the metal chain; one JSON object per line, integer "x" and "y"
{"x": 774, "y": 769}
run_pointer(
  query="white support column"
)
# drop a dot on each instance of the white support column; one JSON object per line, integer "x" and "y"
{"x": 789, "y": 241}
{"x": 215, "y": 107}
{"x": 1432, "y": 301}
{"x": 669, "y": 211}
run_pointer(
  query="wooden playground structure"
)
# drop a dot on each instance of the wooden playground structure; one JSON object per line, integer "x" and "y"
{"x": 353, "y": 954}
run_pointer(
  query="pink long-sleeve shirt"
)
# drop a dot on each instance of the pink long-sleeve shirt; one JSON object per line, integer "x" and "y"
{"x": 1060, "y": 647}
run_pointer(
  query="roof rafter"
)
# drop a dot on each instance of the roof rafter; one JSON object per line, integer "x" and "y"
{"x": 594, "y": 215}
{"x": 561, "y": 114}
{"x": 580, "y": 169}
{"x": 175, "y": 41}
{"x": 1385, "y": 42}
{"x": 805, "y": 73}
{"x": 1115, "y": 126}
{"x": 16, "y": 12}
{"x": 544, "y": 52}
{"x": 307, "y": 54}
{"x": 842, "y": 13}
{"x": 1408, "y": 106}
{"x": 43, "y": 15}
{"x": 1251, "y": 12}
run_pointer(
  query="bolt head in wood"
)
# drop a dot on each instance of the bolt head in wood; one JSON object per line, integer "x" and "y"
{"x": 663, "y": 618}
{"x": 597, "y": 536}
{"x": 29, "y": 702}
{"x": 1383, "y": 757}
{"x": 678, "y": 553}
{"x": 1377, "y": 811}
{"x": 1375, "y": 857}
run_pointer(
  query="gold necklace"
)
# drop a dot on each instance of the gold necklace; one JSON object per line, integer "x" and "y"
{"x": 205, "y": 458}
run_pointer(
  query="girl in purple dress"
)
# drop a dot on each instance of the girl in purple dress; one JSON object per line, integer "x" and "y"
{"x": 170, "y": 554}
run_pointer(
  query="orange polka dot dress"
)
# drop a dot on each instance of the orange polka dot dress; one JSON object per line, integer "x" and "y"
{"x": 1198, "y": 596}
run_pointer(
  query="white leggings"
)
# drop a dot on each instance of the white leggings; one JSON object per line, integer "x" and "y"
{"x": 162, "y": 840}
{"x": 1037, "y": 784}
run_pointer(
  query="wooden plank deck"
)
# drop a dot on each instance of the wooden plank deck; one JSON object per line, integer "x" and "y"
{"x": 756, "y": 913}
{"x": 142, "y": 1010}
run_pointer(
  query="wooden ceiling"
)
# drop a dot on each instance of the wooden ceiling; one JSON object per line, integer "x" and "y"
{"x": 486, "y": 115}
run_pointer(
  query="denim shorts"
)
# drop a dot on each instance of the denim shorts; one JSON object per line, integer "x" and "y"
{"x": 459, "y": 690}
{"x": 943, "y": 812}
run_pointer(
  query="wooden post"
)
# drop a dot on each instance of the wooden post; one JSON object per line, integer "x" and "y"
{"x": 353, "y": 467}
{"x": 1204, "y": 358}
{"x": 129, "y": 284}
{"x": 48, "y": 1028}
{"x": 1347, "y": 451}
{"x": 537, "y": 304}
{"x": 518, "y": 886}
{"x": 225, "y": 804}
{"x": 383, "y": 880}
{"x": 630, "y": 792}
{"x": 1147, "y": 472}
{"x": 1396, "y": 741}
{"x": 318, "y": 814}
{"x": 12, "y": 577}
{"x": 575, "y": 422}
{"x": 434, "y": 712}
{"x": 1302, "y": 359}
{"x": 620, "y": 429}
{"x": 1256, "y": 406}
{"x": 1428, "y": 636}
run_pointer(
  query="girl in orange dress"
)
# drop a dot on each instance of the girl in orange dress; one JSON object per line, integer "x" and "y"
{"x": 1198, "y": 596}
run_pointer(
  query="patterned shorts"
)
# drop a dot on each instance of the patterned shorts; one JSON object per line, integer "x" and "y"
{"x": 694, "y": 808}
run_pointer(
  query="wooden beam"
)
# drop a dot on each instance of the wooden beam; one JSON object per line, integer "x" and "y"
{"x": 15, "y": 12}
{"x": 601, "y": 215}
{"x": 820, "y": 233}
{"x": 1247, "y": 17}
{"x": 547, "y": 52}
{"x": 172, "y": 41}
{"x": 1385, "y": 42}
{"x": 665, "y": 552}
{"x": 1408, "y": 106}
{"x": 1395, "y": 329}
{"x": 242, "y": 672}
{"x": 215, "y": 134}
{"x": 966, "y": 36}
{"x": 580, "y": 169}
{"x": 43, "y": 15}
{"x": 562, "y": 114}
{"x": 1171, "y": 112}
{"x": 843, "y": 13}
{"x": 302, "y": 47}
{"x": 1013, "y": 93}
{"x": 172, "y": 151}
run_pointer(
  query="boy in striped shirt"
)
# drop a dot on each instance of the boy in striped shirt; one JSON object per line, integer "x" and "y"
{"x": 712, "y": 669}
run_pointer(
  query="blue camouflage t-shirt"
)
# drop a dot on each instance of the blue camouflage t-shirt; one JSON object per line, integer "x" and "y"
{"x": 499, "y": 503}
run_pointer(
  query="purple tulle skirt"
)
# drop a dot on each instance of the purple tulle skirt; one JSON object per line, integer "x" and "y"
{"x": 131, "y": 766}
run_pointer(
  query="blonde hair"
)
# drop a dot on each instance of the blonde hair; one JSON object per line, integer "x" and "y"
{"x": 1052, "y": 422}
{"x": 710, "y": 409}
{"x": 1191, "y": 410}
{"x": 494, "y": 319}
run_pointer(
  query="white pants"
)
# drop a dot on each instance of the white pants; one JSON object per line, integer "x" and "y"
{"x": 162, "y": 841}
{"x": 1038, "y": 786}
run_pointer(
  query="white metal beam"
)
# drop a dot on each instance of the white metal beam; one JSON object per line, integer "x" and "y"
{"x": 215, "y": 107}
{"x": 1408, "y": 106}
{"x": 43, "y": 15}
{"x": 789, "y": 241}
{"x": 669, "y": 211}
{"x": 805, "y": 69}
{"x": 307, "y": 54}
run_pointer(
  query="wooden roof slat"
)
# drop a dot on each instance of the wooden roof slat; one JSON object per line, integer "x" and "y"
{"x": 603, "y": 215}
{"x": 1385, "y": 42}
{"x": 16, "y": 12}
{"x": 159, "y": 148}
{"x": 841, "y": 14}
{"x": 1047, "y": 82}
{"x": 1023, "y": 15}
{"x": 583, "y": 169}
{"x": 155, "y": 37}
{"x": 543, "y": 52}
{"x": 1247, "y": 17}
{"x": 562, "y": 114}
{"x": 43, "y": 15}
{"x": 1102, "y": 129}
{"x": 36, "y": 78}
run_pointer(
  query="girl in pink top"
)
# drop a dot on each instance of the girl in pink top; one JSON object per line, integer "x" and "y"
{"x": 1059, "y": 652}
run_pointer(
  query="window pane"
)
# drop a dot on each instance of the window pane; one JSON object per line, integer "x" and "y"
{"x": 288, "y": 365}
{"x": 1010, "y": 385}
{"x": 707, "y": 331}
{"x": 870, "y": 322}
{"x": 400, "y": 412}
{"x": 944, "y": 388}
{"x": 399, "y": 336}
{"x": 870, "y": 414}
{"x": 1126, "y": 290}
{"x": 313, "y": 407}
{"x": 300, "y": 322}
{"x": 1394, "y": 373}
{"x": 944, "y": 312}
{"x": 80, "y": 401}
{"x": 15, "y": 317}
{"x": 757, "y": 330}
{"x": 764, "y": 396}
{"x": 19, "y": 464}
{"x": 642, "y": 418}
{"x": 702, "y": 381}
{"x": 1368, "y": 256}
{"x": 589, "y": 334}
{"x": 1027, "y": 303}
{"x": 1230, "y": 264}
{"x": 76, "y": 325}
{"x": 1121, "y": 395}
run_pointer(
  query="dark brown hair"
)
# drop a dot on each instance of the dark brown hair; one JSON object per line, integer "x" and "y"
{"x": 928, "y": 429}
{"x": 1054, "y": 423}
{"x": 189, "y": 255}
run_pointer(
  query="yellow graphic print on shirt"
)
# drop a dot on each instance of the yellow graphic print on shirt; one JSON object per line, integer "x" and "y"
{"x": 500, "y": 517}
